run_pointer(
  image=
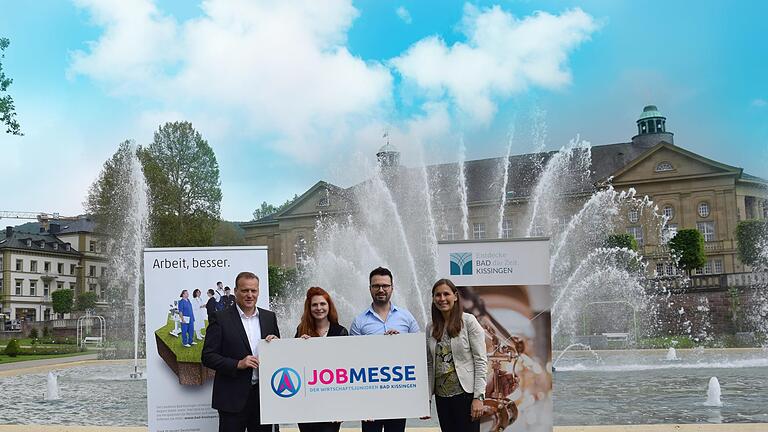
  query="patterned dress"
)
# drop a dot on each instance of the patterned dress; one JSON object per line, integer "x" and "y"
{"x": 446, "y": 380}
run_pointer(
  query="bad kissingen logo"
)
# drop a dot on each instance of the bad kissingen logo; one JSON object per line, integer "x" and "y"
{"x": 286, "y": 382}
{"x": 461, "y": 263}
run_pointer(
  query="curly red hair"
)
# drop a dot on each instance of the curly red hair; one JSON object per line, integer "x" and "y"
{"x": 307, "y": 324}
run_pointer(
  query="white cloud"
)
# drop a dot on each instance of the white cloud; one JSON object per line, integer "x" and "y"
{"x": 279, "y": 68}
{"x": 759, "y": 103}
{"x": 501, "y": 56}
{"x": 404, "y": 15}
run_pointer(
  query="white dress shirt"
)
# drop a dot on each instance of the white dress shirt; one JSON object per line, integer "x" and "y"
{"x": 253, "y": 330}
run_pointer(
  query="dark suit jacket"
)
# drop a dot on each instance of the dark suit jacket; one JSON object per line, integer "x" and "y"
{"x": 210, "y": 307}
{"x": 334, "y": 330}
{"x": 226, "y": 343}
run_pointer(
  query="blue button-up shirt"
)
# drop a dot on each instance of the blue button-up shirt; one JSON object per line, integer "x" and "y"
{"x": 370, "y": 323}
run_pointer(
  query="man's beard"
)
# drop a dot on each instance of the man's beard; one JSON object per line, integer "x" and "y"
{"x": 379, "y": 302}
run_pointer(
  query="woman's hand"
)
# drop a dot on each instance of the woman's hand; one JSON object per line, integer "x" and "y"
{"x": 305, "y": 336}
{"x": 477, "y": 409}
{"x": 270, "y": 338}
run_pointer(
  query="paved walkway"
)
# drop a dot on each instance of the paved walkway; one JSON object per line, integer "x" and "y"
{"x": 730, "y": 427}
{"x": 43, "y": 365}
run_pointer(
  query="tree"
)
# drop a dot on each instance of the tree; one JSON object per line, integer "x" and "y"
{"x": 280, "y": 278}
{"x": 185, "y": 193}
{"x": 751, "y": 236}
{"x": 688, "y": 247}
{"x": 228, "y": 234}
{"x": 622, "y": 240}
{"x": 7, "y": 109}
{"x": 85, "y": 301}
{"x": 13, "y": 348}
{"x": 268, "y": 209}
{"x": 62, "y": 301}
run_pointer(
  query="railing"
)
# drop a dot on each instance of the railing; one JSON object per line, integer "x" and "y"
{"x": 718, "y": 281}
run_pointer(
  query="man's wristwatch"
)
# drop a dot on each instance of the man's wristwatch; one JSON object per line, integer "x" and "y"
{"x": 480, "y": 397}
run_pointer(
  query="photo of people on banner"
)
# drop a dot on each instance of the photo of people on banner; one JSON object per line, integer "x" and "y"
{"x": 180, "y": 339}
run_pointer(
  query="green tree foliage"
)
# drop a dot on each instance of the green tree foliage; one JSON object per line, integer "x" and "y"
{"x": 85, "y": 301}
{"x": 106, "y": 202}
{"x": 62, "y": 300}
{"x": 280, "y": 279}
{"x": 751, "y": 236}
{"x": 7, "y": 109}
{"x": 13, "y": 348}
{"x": 621, "y": 240}
{"x": 183, "y": 178}
{"x": 228, "y": 234}
{"x": 688, "y": 247}
{"x": 268, "y": 209}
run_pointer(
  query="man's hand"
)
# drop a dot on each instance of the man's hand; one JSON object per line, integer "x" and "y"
{"x": 391, "y": 331}
{"x": 270, "y": 338}
{"x": 248, "y": 361}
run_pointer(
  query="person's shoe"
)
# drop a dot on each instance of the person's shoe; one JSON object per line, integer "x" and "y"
{"x": 194, "y": 343}
{"x": 187, "y": 346}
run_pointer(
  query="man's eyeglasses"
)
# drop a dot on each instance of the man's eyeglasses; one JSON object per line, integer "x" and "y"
{"x": 380, "y": 287}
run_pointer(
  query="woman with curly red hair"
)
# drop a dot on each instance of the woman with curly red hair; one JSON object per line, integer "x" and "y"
{"x": 319, "y": 319}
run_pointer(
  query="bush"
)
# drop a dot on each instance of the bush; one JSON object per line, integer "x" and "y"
{"x": 33, "y": 333}
{"x": 46, "y": 332}
{"x": 86, "y": 301}
{"x": 688, "y": 246}
{"x": 62, "y": 301}
{"x": 623, "y": 240}
{"x": 751, "y": 236}
{"x": 13, "y": 348}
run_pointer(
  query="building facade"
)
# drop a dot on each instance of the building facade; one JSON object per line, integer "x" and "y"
{"x": 691, "y": 190}
{"x": 34, "y": 265}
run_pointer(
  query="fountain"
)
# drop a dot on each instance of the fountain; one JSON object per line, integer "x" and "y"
{"x": 672, "y": 355}
{"x": 713, "y": 393}
{"x": 52, "y": 385}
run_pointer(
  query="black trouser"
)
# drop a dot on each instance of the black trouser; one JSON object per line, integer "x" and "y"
{"x": 319, "y": 427}
{"x": 392, "y": 425}
{"x": 455, "y": 413}
{"x": 248, "y": 418}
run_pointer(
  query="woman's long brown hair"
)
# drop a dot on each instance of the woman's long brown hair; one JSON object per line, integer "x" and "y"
{"x": 307, "y": 324}
{"x": 439, "y": 324}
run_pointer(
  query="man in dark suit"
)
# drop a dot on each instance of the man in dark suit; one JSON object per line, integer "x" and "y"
{"x": 231, "y": 349}
{"x": 210, "y": 306}
{"x": 227, "y": 299}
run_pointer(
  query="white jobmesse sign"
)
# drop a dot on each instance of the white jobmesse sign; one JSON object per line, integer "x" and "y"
{"x": 343, "y": 378}
{"x": 176, "y": 284}
{"x": 489, "y": 262}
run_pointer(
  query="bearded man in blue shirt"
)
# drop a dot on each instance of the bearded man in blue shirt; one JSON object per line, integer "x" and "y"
{"x": 383, "y": 317}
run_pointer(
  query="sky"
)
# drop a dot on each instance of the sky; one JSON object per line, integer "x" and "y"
{"x": 291, "y": 92}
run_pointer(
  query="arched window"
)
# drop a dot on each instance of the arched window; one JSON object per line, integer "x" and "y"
{"x": 668, "y": 212}
{"x": 634, "y": 215}
{"x": 703, "y": 209}
{"x": 664, "y": 166}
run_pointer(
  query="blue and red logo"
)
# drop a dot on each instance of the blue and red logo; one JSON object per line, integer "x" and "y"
{"x": 286, "y": 382}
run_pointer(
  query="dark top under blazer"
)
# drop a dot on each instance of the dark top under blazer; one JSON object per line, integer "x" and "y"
{"x": 226, "y": 343}
{"x": 333, "y": 330}
{"x": 210, "y": 307}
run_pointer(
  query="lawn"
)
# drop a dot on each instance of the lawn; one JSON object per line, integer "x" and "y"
{"x": 20, "y": 358}
{"x": 182, "y": 353}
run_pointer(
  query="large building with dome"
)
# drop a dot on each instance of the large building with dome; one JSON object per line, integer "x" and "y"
{"x": 691, "y": 190}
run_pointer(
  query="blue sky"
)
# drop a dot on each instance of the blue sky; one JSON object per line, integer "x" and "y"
{"x": 288, "y": 93}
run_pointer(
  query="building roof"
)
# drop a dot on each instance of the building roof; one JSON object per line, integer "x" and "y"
{"x": 650, "y": 111}
{"x": 21, "y": 239}
{"x": 84, "y": 223}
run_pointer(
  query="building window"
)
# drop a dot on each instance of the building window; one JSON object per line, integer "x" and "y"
{"x": 92, "y": 287}
{"x": 60, "y": 268}
{"x": 33, "y": 266}
{"x": 55, "y": 246}
{"x": 668, "y": 212}
{"x": 659, "y": 269}
{"x": 664, "y": 166}
{"x": 637, "y": 233}
{"x": 42, "y": 244}
{"x": 671, "y": 270}
{"x": 72, "y": 285}
{"x": 92, "y": 271}
{"x": 668, "y": 232}
{"x": 46, "y": 289}
{"x": 703, "y": 209}
{"x": 72, "y": 269}
{"x": 47, "y": 266}
{"x": 59, "y": 285}
{"x": 92, "y": 246}
{"x": 537, "y": 230}
{"x": 634, "y": 216}
{"x": 506, "y": 229}
{"x": 718, "y": 264}
{"x": 19, "y": 284}
{"x": 103, "y": 271}
{"x": 708, "y": 267}
{"x": 450, "y": 233}
{"x": 33, "y": 287}
{"x": 19, "y": 265}
{"x": 707, "y": 229}
{"x": 478, "y": 230}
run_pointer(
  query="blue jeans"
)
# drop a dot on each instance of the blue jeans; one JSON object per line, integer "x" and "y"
{"x": 187, "y": 333}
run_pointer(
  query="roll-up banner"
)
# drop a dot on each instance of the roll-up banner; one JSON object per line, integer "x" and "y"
{"x": 178, "y": 386}
{"x": 506, "y": 285}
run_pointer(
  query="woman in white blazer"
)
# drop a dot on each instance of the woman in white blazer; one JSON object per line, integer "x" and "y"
{"x": 456, "y": 361}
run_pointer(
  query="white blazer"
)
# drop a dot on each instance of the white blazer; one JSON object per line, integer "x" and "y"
{"x": 469, "y": 356}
